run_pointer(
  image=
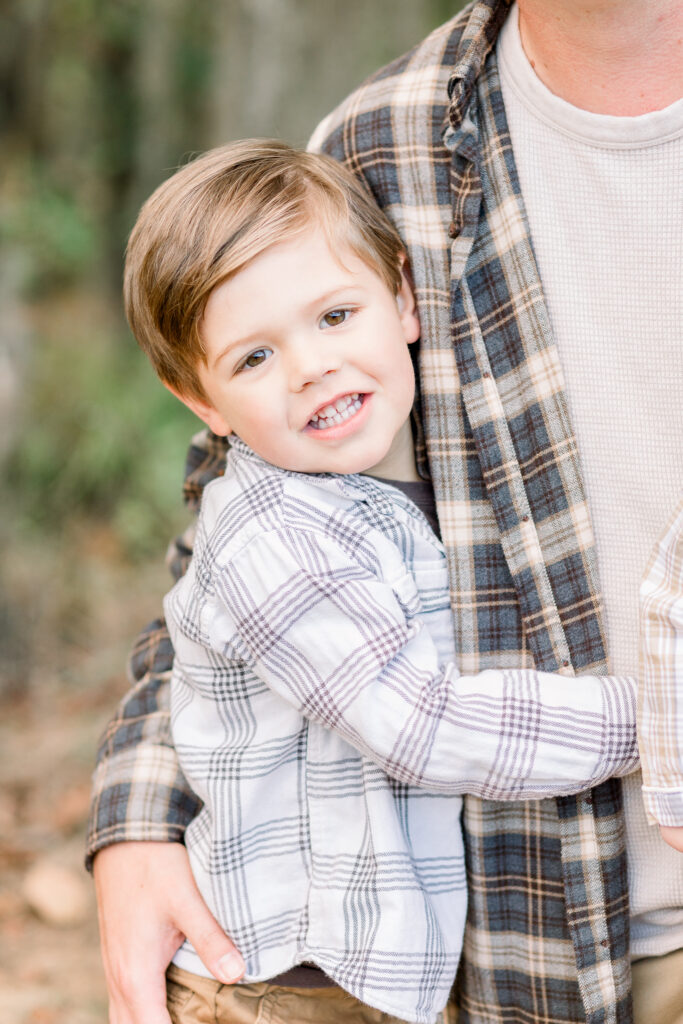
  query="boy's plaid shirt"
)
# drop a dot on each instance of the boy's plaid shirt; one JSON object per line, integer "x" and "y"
{"x": 314, "y": 663}
{"x": 313, "y": 689}
{"x": 660, "y": 705}
{"x": 547, "y": 939}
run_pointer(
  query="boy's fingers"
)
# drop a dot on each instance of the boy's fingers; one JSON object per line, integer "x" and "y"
{"x": 213, "y": 946}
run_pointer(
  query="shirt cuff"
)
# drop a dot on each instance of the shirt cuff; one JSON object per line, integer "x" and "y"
{"x": 663, "y": 806}
{"x": 139, "y": 795}
{"x": 131, "y": 832}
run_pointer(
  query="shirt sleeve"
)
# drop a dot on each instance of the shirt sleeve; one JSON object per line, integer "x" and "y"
{"x": 139, "y": 792}
{"x": 660, "y": 704}
{"x": 350, "y": 651}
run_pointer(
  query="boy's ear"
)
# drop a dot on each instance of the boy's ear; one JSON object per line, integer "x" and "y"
{"x": 204, "y": 410}
{"x": 407, "y": 306}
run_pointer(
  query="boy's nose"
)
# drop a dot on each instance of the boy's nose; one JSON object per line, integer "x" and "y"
{"x": 311, "y": 364}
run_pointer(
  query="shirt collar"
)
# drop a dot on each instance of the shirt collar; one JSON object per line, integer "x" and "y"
{"x": 354, "y": 486}
{"x": 478, "y": 38}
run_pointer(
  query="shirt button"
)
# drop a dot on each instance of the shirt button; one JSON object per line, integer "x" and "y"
{"x": 604, "y": 942}
{"x": 453, "y": 229}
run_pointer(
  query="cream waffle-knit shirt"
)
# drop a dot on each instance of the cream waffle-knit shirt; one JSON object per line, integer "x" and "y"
{"x": 604, "y": 198}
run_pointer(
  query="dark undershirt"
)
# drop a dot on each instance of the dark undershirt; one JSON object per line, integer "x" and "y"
{"x": 421, "y": 493}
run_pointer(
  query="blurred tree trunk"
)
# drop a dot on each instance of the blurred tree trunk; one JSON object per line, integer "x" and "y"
{"x": 24, "y": 47}
{"x": 160, "y": 128}
{"x": 279, "y": 65}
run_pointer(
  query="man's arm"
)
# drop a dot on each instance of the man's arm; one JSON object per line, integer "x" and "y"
{"x": 139, "y": 792}
{"x": 660, "y": 705}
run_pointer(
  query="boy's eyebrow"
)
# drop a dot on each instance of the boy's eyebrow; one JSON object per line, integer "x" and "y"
{"x": 338, "y": 293}
{"x": 248, "y": 339}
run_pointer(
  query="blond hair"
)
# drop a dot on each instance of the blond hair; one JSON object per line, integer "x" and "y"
{"x": 214, "y": 215}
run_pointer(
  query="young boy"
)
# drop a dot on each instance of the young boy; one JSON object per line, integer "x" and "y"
{"x": 316, "y": 706}
{"x": 660, "y": 704}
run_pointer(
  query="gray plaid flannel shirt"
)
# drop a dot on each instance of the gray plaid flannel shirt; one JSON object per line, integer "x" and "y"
{"x": 547, "y": 935}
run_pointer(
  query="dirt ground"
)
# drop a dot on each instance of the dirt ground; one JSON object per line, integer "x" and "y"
{"x": 49, "y": 974}
{"x": 50, "y": 970}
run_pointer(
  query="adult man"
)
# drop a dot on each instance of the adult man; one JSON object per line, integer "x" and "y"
{"x": 534, "y": 175}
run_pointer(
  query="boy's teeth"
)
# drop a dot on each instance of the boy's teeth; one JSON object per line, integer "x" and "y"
{"x": 332, "y": 415}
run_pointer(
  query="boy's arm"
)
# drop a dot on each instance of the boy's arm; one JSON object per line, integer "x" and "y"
{"x": 325, "y": 631}
{"x": 660, "y": 704}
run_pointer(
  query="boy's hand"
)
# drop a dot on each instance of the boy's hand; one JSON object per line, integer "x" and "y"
{"x": 148, "y": 902}
{"x": 673, "y": 835}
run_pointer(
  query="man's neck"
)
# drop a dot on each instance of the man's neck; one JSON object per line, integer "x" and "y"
{"x": 619, "y": 57}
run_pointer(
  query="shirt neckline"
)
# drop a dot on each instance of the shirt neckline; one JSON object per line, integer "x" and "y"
{"x": 601, "y": 130}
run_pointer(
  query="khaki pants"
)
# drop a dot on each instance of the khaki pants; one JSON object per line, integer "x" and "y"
{"x": 658, "y": 989}
{"x": 196, "y": 1000}
{"x": 657, "y": 999}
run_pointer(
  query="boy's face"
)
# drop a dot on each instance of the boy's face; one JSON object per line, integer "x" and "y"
{"x": 307, "y": 359}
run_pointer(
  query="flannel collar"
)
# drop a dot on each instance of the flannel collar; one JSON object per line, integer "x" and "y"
{"x": 478, "y": 39}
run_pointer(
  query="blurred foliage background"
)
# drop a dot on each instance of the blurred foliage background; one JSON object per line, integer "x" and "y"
{"x": 99, "y": 101}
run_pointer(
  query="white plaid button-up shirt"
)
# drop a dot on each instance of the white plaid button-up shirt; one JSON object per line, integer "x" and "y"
{"x": 318, "y": 713}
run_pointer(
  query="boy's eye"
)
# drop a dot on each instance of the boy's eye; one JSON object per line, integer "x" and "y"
{"x": 254, "y": 359}
{"x": 335, "y": 317}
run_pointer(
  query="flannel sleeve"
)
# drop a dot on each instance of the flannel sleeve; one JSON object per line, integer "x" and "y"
{"x": 660, "y": 704}
{"x": 350, "y": 651}
{"x": 139, "y": 791}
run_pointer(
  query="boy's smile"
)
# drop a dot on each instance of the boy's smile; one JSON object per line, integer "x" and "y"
{"x": 308, "y": 362}
{"x": 337, "y": 412}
